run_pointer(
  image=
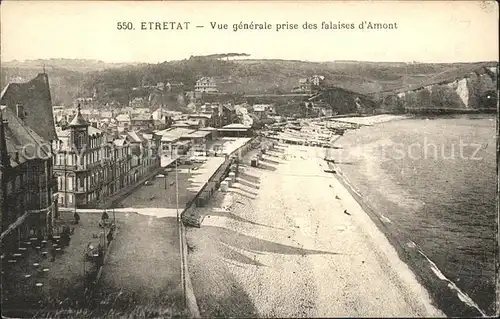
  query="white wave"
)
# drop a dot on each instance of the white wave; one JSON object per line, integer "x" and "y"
{"x": 461, "y": 295}
{"x": 387, "y": 220}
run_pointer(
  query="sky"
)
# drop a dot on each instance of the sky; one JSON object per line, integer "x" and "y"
{"x": 441, "y": 31}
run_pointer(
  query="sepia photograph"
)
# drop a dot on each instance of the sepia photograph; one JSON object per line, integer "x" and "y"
{"x": 249, "y": 159}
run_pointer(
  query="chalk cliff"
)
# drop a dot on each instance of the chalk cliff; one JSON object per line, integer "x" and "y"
{"x": 476, "y": 90}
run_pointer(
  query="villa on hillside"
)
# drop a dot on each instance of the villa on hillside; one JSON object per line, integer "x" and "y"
{"x": 307, "y": 85}
{"x": 205, "y": 84}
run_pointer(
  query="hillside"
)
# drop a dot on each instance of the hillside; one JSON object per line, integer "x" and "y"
{"x": 116, "y": 82}
{"x": 79, "y": 65}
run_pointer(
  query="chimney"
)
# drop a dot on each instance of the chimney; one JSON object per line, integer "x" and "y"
{"x": 20, "y": 111}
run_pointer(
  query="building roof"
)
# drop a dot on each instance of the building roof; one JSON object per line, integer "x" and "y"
{"x": 229, "y": 107}
{"x": 167, "y": 138}
{"x": 123, "y": 118}
{"x": 78, "y": 120}
{"x": 35, "y": 97}
{"x": 141, "y": 110}
{"x": 141, "y": 117}
{"x": 236, "y": 126}
{"x": 176, "y": 132}
{"x": 260, "y": 107}
{"x": 201, "y": 115}
{"x": 208, "y": 128}
{"x": 62, "y": 132}
{"x": 180, "y": 124}
{"x": 134, "y": 137}
{"x": 182, "y": 143}
{"x": 106, "y": 114}
{"x": 198, "y": 134}
{"x": 206, "y": 79}
{"x": 119, "y": 141}
{"x": 24, "y": 141}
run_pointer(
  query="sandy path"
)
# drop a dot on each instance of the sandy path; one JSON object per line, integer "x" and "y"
{"x": 279, "y": 244}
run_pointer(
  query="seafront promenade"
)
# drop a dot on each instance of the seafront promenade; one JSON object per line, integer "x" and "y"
{"x": 145, "y": 266}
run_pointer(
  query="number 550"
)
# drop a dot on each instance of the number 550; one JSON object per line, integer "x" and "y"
{"x": 124, "y": 26}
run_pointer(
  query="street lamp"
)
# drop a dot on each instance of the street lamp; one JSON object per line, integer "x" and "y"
{"x": 84, "y": 257}
{"x": 179, "y": 222}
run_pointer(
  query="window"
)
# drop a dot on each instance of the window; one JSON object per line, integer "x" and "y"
{"x": 60, "y": 159}
{"x": 9, "y": 188}
{"x": 70, "y": 183}
{"x": 81, "y": 139}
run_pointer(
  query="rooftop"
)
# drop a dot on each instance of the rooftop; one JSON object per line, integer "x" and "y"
{"x": 203, "y": 115}
{"x": 198, "y": 134}
{"x": 78, "y": 120}
{"x": 35, "y": 97}
{"x": 123, "y": 118}
{"x": 236, "y": 126}
{"x": 134, "y": 137}
{"x": 19, "y": 136}
{"x": 141, "y": 117}
{"x": 175, "y": 132}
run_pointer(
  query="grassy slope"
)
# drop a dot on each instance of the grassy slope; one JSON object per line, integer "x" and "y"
{"x": 249, "y": 76}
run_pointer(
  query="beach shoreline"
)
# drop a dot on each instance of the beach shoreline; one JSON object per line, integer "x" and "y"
{"x": 444, "y": 297}
{"x": 452, "y": 300}
{"x": 262, "y": 267}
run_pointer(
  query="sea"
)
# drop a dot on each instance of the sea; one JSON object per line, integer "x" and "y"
{"x": 435, "y": 180}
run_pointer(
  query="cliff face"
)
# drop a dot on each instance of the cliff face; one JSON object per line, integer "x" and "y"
{"x": 475, "y": 90}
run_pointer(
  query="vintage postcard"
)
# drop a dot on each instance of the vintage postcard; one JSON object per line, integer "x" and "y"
{"x": 240, "y": 159}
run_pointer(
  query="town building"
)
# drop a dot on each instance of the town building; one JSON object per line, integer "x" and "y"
{"x": 206, "y": 84}
{"x": 191, "y": 124}
{"x": 317, "y": 80}
{"x": 263, "y": 110}
{"x": 175, "y": 141}
{"x": 34, "y": 103}
{"x": 310, "y": 84}
{"x": 123, "y": 122}
{"x": 228, "y": 114}
{"x": 141, "y": 122}
{"x": 145, "y": 158}
{"x": 27, "y": 205}
{"x": 305, "y": 85}
{"x": 89, "y": 165}
{"x": 204, "y": 119}
{"x": 138, "y": 102}
{"x": 235, "y": 130}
